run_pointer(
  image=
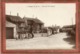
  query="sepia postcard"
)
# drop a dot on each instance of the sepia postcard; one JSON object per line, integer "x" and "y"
{"x": 40, "y": 27}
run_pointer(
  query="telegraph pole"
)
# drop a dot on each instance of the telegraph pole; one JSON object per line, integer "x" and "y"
{"x": 72, "y": 21}
{"x": 10, "y": 12}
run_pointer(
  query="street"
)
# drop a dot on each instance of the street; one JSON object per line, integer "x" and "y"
{"x": 55, "y": 41}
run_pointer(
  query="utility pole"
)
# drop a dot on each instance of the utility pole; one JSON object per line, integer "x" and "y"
{"x": 72, "y": 21}
{"x": 17, "y": 14}
{"x": 10, "y": 12}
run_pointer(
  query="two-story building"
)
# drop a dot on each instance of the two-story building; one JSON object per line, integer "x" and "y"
{"x": 14, "y": 26}
{"x": 35, "y": 22}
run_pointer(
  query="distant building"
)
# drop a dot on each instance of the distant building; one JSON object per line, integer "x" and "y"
{"x": 35, "y": 23}
{"x": 14, "y": 26}
{"x": 68, "y": 27}
{"x": 54, "y": 30}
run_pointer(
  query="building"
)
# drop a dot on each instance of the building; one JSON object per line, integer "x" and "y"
{"x": 10, "y": 30}
{"x": 68, "y": 28}
{"x": 14, "y": 26}
{"x": 35, "y": 23}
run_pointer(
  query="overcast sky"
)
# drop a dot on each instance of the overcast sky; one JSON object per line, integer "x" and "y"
{"x": 50, "y": 13}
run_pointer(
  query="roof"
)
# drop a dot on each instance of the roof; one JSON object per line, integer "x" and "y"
{"x": 34, "y": 19}
{"x": 15, "y": 19}
{"x": 69, "y": 26}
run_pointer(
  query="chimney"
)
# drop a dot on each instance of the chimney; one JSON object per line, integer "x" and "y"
{"x": 36, "y": 17}
{"x": 10, "y": 12}
{"x": 17, "y": 14}
{"x": 24, "y": 17}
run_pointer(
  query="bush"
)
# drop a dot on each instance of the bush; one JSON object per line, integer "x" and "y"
{"x": 72, "y": 34}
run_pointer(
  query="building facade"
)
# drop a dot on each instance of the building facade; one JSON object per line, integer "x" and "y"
{"x": 14, "y": 27}
{"x": 35, "y": 23}
{"x": 10, "y": 30}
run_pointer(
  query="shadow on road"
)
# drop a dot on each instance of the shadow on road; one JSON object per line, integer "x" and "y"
{"x": 71, "y": 40}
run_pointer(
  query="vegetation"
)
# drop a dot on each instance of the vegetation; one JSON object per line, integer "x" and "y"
{"x": 72, "y": 33}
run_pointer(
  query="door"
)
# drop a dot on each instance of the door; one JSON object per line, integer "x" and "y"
{"x": 9, "y": 33}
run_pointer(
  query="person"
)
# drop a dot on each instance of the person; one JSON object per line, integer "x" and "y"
{"x": 48, "y": 32}
{"x": 17, "y": 36}
{"x": 31, "y": 31}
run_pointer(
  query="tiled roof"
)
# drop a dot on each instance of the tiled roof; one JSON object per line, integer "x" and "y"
{"x": 34, "y": 19}
{"x": 15, "y": 19}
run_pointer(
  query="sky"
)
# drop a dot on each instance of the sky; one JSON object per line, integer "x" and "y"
{"x": 59, "y": 14}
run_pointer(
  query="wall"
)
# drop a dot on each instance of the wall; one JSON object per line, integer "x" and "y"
{"x": 9, "y": 24}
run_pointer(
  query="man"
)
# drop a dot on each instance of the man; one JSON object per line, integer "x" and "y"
{"x": 31, "y": 35}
